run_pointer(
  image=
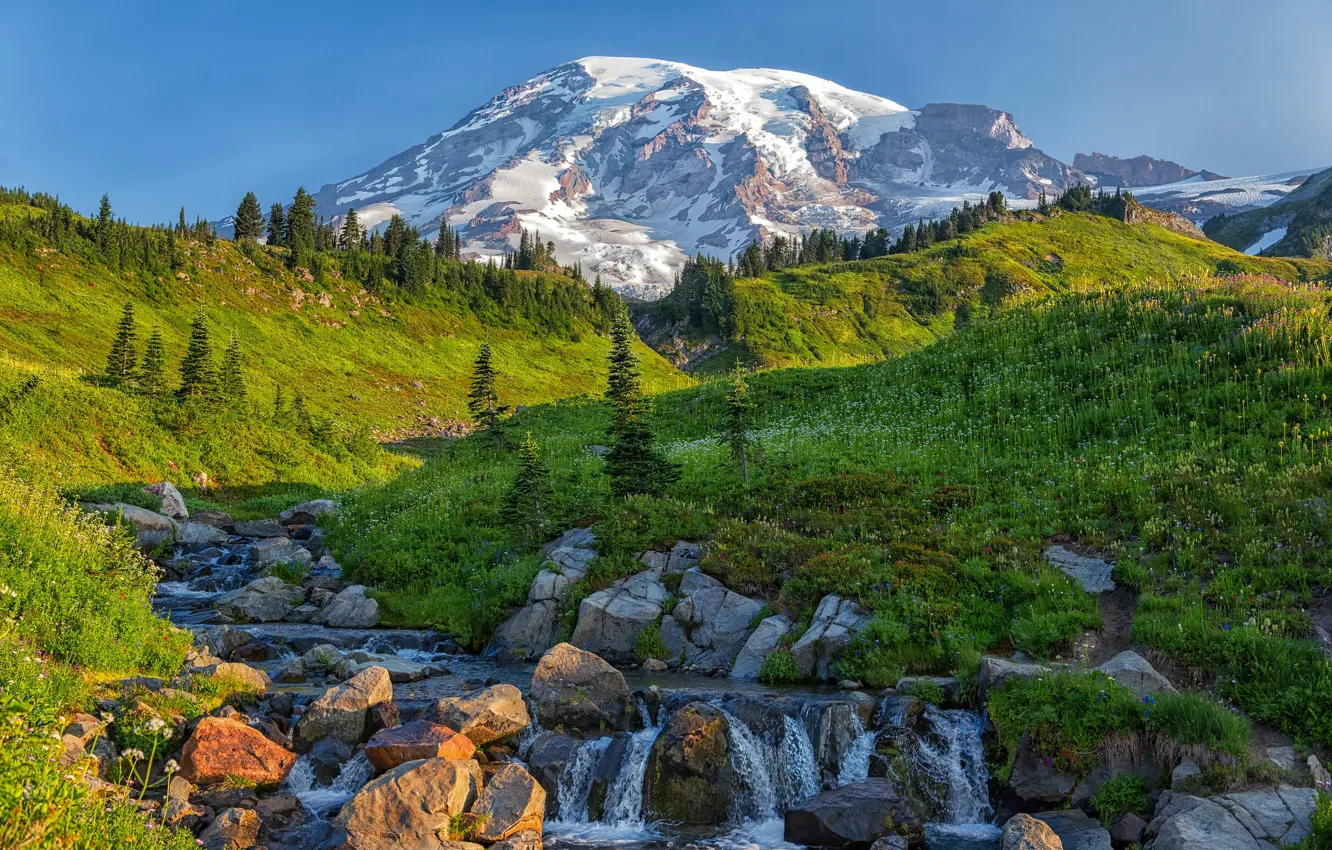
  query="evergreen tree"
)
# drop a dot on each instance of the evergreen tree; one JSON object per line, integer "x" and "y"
{"x": 232, "y": 380}
{"x": 181, "y": 228}
{"x": 120, "y": 363}
{"x": 300, "y": 233}
{"x": 152, "y": 372}
{"x": 279, "y": 404}
{"x": 351, "y": 232}
{"x": 739, "y": 410}
{"x": 526, "y": 505}
{"x": 634, "y": 463}
{"x": 198, "y": 372}
{"x": 249, "y": 221}
{"x": 277, "y": 224}
{"x": 482, "y": 400}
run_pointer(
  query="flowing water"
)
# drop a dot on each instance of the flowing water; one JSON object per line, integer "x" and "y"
{"x": 856, "y": 764}
{"x": 323, "y": 799}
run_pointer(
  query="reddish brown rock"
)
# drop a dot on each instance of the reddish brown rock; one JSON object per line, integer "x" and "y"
{"x": 419, "y": 739}
{"x": 221, "y": 748}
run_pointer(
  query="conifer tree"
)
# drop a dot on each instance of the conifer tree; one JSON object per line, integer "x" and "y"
{"x": 198, "y": 372}
{"x": 351, "y": 237}
{"x": 634, "y": 462}
{"x": 181, "y": 228}
{"x": 739, "y": 410}
{"x": 277, "y": 224}
{"x": 249, "y": 221}
{"x": 279, "y": 404}
{"x": 232, "y": 381}
{"x": 120, "y": 363}
{"x": 152, "y": 372}
{"x": 526, "y": 505}
{"x": 482, "y": 400}
{"x": 300, "y": 233}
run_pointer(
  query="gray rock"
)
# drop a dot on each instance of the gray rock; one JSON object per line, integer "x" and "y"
{"x": 1024, "y": 832}
{"x": 1076, "y": 831}
{"x": 683, "y": 556}
{"x": 150, "y": 529}
{"x": 201, "y": 534}
{"x": 994, "y": 671}
{"x": 531, "y": 630}
{"x": 1183, "y": 772}
{"x": 1185, "y": 822}
{"x": 836, "y": 622}
{"x": 1128, "y": 828}
{"x": 711, "y": 623}
{"x": 610, "y": 620}
{"x": 302, "y": 614}
{"x": 306, "y": 513}
{"x": 1282, "y": 757}
{"x": 1135, "y": 673}
{"x": 578, "y": 690}
{"x": 852, "y": 815}
{"x": 265, "y": 600}
{"x": 350, "y": 609}
{"x": 340, "y": 712}
{"x": 1279, "y": 815}
{"x": 574, "y": 538}
{"x": 173, "y": 504}
{"x": 409, "y": 806}
{"x": 261, "y": 528}
{"x": 550, "y": 752}
{"x": 967, "y": 836}
{"x": 1034, "y": 780}
{"x": 495, "y": 713}
{"x": 760, "y": 642}
{"x": 1094, "y": 574}
{"x": 221, "y": 641}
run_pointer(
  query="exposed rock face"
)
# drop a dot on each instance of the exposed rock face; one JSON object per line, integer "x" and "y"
{"x": 1277, "y": 815}
{"x": 709, "y": 625}
{"x": 307, "y": 513}
{"x": 761, "y": 641}
{"x": 1076, "y": 831}
{"x": 415, "y": 741}
{"x": 350, "y": 609}
{"x": 854, "y": 815}
{"x": 497, "y": 712}
{"x": 1112, "y": 171}
{"x": 1034, "y": 780}
{"x": 610, "y": 620}
{"x": 409, "y": 807}
{"x": 531, "y": 630}
{"x": 234, "y": 829}
{"x": 150, "y": 529}
{"x": 836, "y": 621}
{"x": 264, "y": 600}
{"x": 221, "y": 748}
{"x": 1130, "y": 669}
{"x": 340, "y": 711}
{"x": 1184, "y": 822}
{"x": 550, "y": 752}
{"x": 994, "y": 671}
{"x": 579, "y": 690}
{"x": 1024, "y": 832}
{"x": 201, "y": 534}
{"x": 689, "y": 775}
{"x": 173, "y": 504}
{"x": 1092, "y": 574}
{"x": 512, "y": 802}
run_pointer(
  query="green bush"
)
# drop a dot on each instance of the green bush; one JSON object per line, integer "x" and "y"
{"x": 1320, "y": 824}
{"x": 1121, "y": 795}
{"x": 928, "y": 690}
{"x": 648, "y": 644}
{"x": 1192, "y": 720}
{"x": 779, "y": 667}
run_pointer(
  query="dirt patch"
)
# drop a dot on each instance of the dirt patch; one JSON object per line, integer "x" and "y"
{"x": 1115, "y": 634}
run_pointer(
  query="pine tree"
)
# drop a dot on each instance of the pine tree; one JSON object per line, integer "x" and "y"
{"x": 526, "y": 505}
{"x": 482, "y": 400}
{"x": 249, "y": 221}
{"x": 121, "y": 361}
{"x": 739, "y": 410}
{"x": 634, "y": 463}
{"x": 277, "y": 224}
{"x": 232, "y": 380}
{"x": 352, "y": 235}
{"x": 300, "y": 233}
{"x": 198, "y": 372}
{"x": 152, "y": 372}
{"x": 181, "y": 228}
{"x": 279, "y": 404}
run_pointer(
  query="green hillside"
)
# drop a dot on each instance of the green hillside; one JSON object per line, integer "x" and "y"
{"x": 863, "y": 311}
{"x": 1306, "y": 213}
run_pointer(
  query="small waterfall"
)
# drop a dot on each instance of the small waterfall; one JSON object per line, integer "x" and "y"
{"x": 855, "y": 764}
{"x": 749, "y": 763}
{"x": 576, "y": 780}
{"x": 797, "y": 757}
{"x": 320, "y": 799}
{"x": 624, "y": 797}
{"x": 953, "y": 755}
{"x": 528, "y": 736}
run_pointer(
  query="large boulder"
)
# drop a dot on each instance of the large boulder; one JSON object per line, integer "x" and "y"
{"x": 340, "y": 712}
{"x": 531, "y": 630}
{"x": 689, "y": 775}
{"x": 610, "y": 620}
{"x": 264, "y": 529}
{"x": 221, "y": 749}
{"x": 224, "y": 640}
{"x": 151, "y": 529}
{"x": 547, "y": 758}
{"x": 497, "y": 712}
{"x": 760, "y": 642}
{"x": 411, "y": 807}
{"x": 1131, "y": 670}
{"x": 854, "y": 815}
{"x": 173, "y": 504}
{"x": 400, "y": 670}
{"x": 1035, "y": 780}
{"x": 1277, "y": 815}
{"x": 1092, "y": 574}
{"x": 1185, "y": 822}
{"x": 307, "y": 512}
{"x": 233, "y": 829}
{"x": 264, "y": 600}
{"x": 201, "y": 534}
{"x": 578, "y": 690}
{"x": 414, "y": 741}
{"x": 710, "y": 624}
{"x": 1024, "y": 832}
{"x": 350, "y": 609}
{"x": 1076, "y": 831}
{"x": 836, "y": 622}
{"x": 512, "y": 802}
{"x": 994, "y": 671}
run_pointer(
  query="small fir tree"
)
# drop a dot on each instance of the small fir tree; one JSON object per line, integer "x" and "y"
{"x": 232, "y": 379}
{"x": 352, "y": 235}
{"x": 152, "y": 373}
{"x": 198, "y": 372}
{"x": 634, "y": 462}
{"x": 739, "y": 411}
{"x": 482, "y": 400}
{"x": 120, "y": 363}
{"x": 249, "y": 221}
{"x": 277, "y": 224}
{"x": 526, "y": 506}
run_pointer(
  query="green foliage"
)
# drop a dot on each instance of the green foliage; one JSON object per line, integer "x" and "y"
{"x": 1320, "y": 824}
{"x": 1121, "y": 795}
{"x": 928, "y": 690}
{"x": 198, "y": 371}
{"x": 1194, "y": 721}
{"x": 249, "y": 220}
{"x": 290, "y": 572}
{"x": 634, "y": 463}
{"x": 649, "y": 644}
{"x": 152, "y": 378}
{"x": 739, "y": 411}
{"x": 121, "y": 362}
{"x": 527, "y": 503}
{"x": 231, "y": 379}
{"x": 778, "y": 667}
{"x": 482, "y": 399}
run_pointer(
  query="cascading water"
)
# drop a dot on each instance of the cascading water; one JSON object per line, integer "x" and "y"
{"x": 624, "y": 797}
{"x": 576, "y": 781}
{"x": 953, "y": 755}
{"x": 797, "y": 758}
{"x": 747, "y": 760}
{"x": 321, "y": 799}
{"x": 855, "y": 764}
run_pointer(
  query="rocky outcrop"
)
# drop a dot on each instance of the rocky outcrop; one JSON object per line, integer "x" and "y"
{"x": 689, "y": 775}
{"x": 578, "y": 690}
{"x": 709, "y": 625}
{"x": 1035, "y": 780}
{"x": 1075, "y": 830}
{"x": 512, "y": 802}
{"x": 497, "y": 712}
{"x": 1242, "y": 820}
{"x": 350, "y": 609}
{"x": 854, "y": 815}
{"x": 307, "y": 513}
{"x": 1112, "y": 172}
{"x": 1131, "y": 670}
{"x": 408, "y": 808}
{"x": 610, "y": 620}
{"x": 760, "y": 642}
{"x": 1024, "y": 832}
{"x": 173, "y": 504}
{"x": 1093, "y": 575}
{"x": 233, "y": 829}
{"x": 340, "y": 712}
{"x": 151, "y": 529}
{"x": 221, "y": 749}
{"x": 277, "y": 550}
{"x": 836, "y": 622}
{"x": 415, "y": 741}
{"x": 994, "y": 671}
{"x": 264, "y": 600}
{"x": 531, "y": 630}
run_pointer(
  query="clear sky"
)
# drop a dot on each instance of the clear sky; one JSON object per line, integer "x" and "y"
{"x": 162, "y": 104}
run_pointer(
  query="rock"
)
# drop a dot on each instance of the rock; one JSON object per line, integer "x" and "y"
{"x": 1134, "y": 672}
{"x": 307, "y": 512}
{"x": 173, "y": 504}
{"x": 327, "y": 758}
{"x": 179, "y": 812}
{"x": 495, "y": 713}
{"x": 1034, "y": 780}
{"x": 302, "y": 614}
{"x": 1076, "y": 831}
{"x": 853, "y": 815}
{"x": 994, "y": 671}
{"x": 249, "y": 678}
{"x": 547, "y": 758}
{"x": 890, "y": 842}
{"x": 150, "y": 529}
{"x": 578, "y": 690}
{"x": 1024, "y": 832}
{"x": 1277, "y": 815}
{"x": 655, "y": 665}
{"x": 952, "y": 691}
{"x": 265, "y": 529}
{"x": 1183, "y": 772}
{"x": 714, "y": 622}
{"x": 1128, "y": 828}
{"x": 689, "y": 774}
{"x": 531, "y": 630}
{"x": 1282, "y": 757}
{"x": 409, "y": 807}
{"x": 221, "y": 519}
{"x": 234, "y": 829}
{"x": 385, "y": 715}
{"x": 683, "y": 556}
{"x": 201, "y": 534}
{"x": 264, "y": 600}
{"x": 528, "y": 839}
{"x": 836, "y": 621}
{"x": 224, "y": 640}
{"x": 222, "y": 748}
{"x": 968, "y": 836}
{"x": 1185, "y": 822}
{"x": 280, "y": 812}
{"x": 761, "y": 641}
{"x": 512, "y": 802}
{"x": 340, "y": 711}
{"x": 1093, "y": 574}
{"x": 350, "y": 609}
{"x": 610, "y": 620}
{"x": 400, "y": 670}
{"x": 413, "y": 741}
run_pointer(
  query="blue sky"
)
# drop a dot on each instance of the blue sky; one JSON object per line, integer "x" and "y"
{"x": 162, "y": 104}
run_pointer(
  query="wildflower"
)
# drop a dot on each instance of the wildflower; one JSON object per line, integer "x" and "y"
{"x": 171, "y": 766}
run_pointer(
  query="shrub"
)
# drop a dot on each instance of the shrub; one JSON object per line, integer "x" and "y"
{"x": 779, "y": 667}
{"x": 1120, "y": 795}
{"x": 1067, "y": 716}
{"x": 928, "y": 690}
{"x": 648, "y": 644}
{"x": 288, "y": 571}
{"x": 1320, "y": 824}
{"x": 1193, "y": 721}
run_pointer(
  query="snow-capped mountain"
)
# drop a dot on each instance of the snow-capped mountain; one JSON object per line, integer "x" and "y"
{"x": 629, "y": 165}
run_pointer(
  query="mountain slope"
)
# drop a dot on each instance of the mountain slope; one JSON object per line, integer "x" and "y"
{"x": 1112, "y": 171}
{"x": 629, "y": 165}
{"x": 1298, "y": 225}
